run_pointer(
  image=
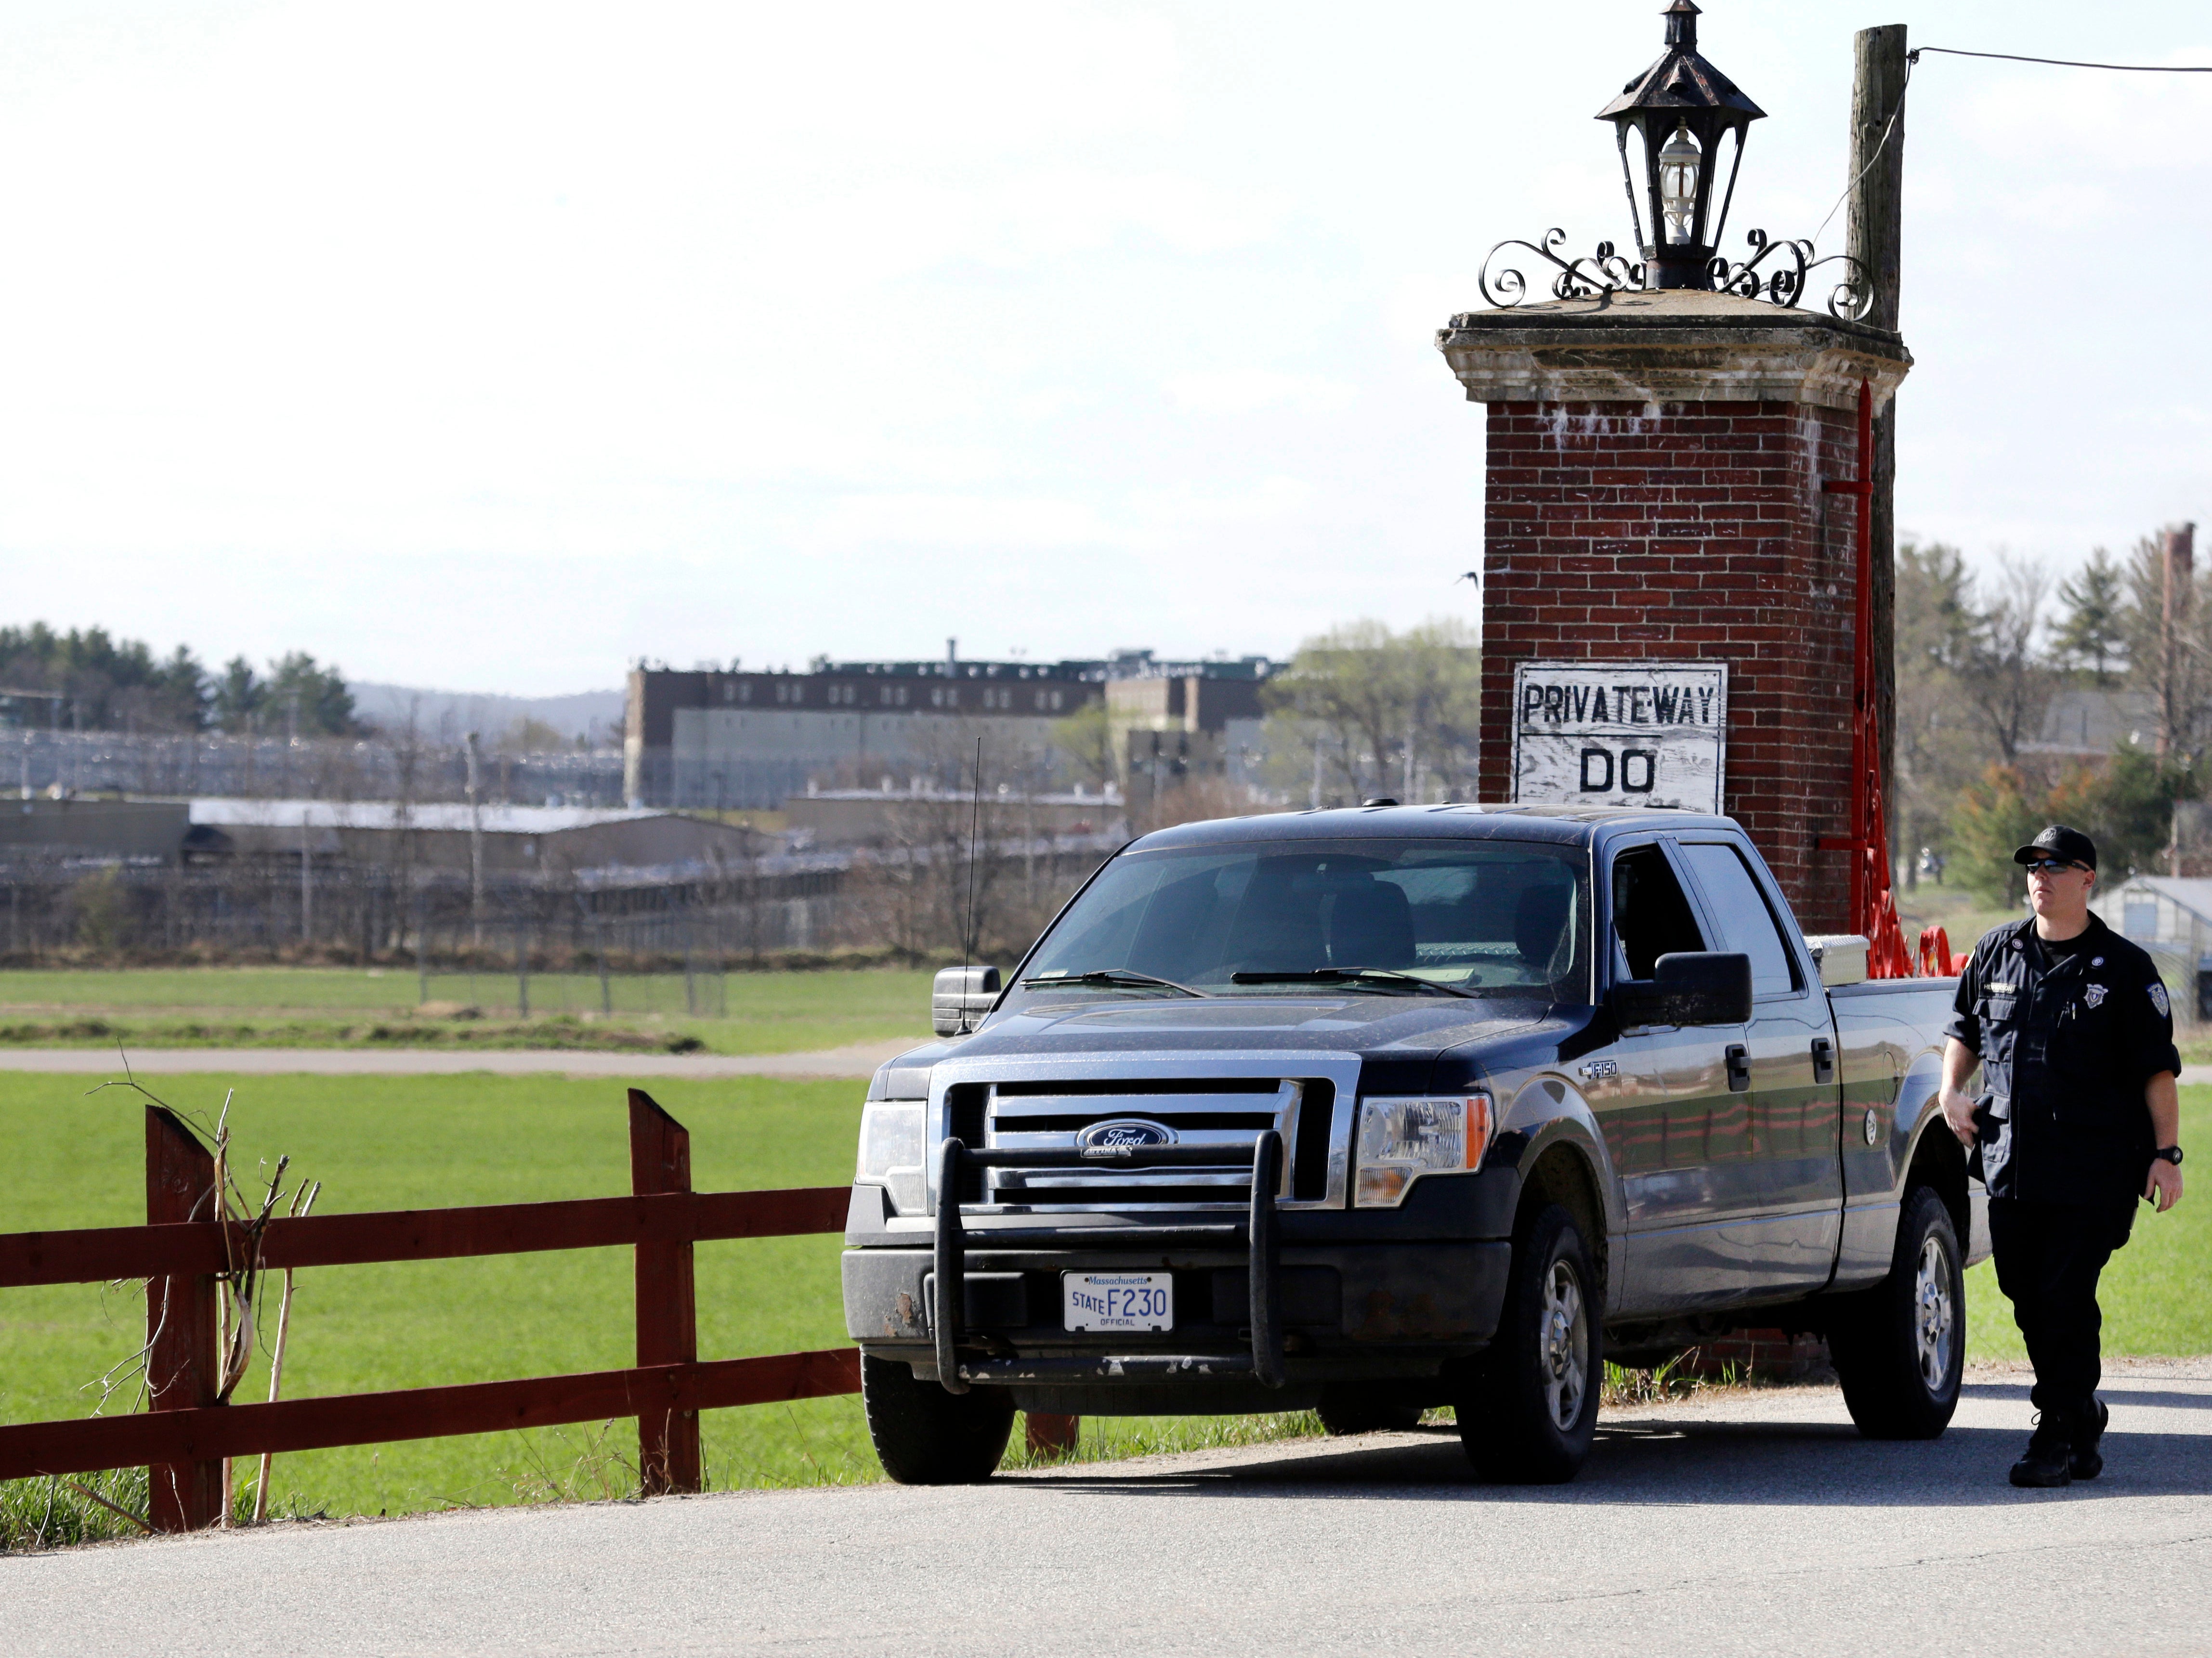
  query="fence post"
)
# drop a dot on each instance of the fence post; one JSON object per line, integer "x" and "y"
{"x": 180, "y": 1325}
{"x": 600, "y": 950}
{"x": 1049, "y": 1435}
{"x": 667, "y": 1324}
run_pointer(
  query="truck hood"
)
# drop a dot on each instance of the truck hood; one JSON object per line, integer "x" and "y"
{"x": 1399, "y": 1037}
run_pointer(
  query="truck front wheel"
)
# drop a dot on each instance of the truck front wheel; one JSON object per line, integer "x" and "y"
{"x": 1529, "y": 1412}
{"x": 1900, "y": 1348}
{"x": 926, "y": 1437}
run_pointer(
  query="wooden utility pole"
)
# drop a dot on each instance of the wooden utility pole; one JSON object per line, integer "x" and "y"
{"x": 1876, "y": 235}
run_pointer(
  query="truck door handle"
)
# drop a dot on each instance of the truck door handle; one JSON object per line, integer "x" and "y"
{"x": 1824, "y": 1059}
{"x": 1739, "y": 1067}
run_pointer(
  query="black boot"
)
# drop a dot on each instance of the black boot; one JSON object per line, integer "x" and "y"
{"x": 2086, "y": 1462}
{"x": 2048, "y": 1451}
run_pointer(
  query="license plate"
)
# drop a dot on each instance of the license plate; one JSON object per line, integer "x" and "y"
{"x": 1118, "y": 1301}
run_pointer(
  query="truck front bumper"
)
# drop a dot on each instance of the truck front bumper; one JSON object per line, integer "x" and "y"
{"x": 1350, "y": 1303}
{"x": 1257, "y": 1326}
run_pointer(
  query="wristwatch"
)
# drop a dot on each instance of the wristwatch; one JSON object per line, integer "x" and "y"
{"x": 2170, "y": 1154}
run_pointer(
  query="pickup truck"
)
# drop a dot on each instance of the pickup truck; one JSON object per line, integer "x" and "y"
{"x": 1371, "y": 1111}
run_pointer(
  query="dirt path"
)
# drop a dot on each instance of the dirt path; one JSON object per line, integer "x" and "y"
{"x": 857, "y": 1060}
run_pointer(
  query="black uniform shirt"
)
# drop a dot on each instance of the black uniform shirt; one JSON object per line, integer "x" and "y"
{"x": 2068, "y": 1036}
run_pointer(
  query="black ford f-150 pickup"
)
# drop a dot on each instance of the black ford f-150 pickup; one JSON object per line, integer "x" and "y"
{"x": 1377, "y": 1110}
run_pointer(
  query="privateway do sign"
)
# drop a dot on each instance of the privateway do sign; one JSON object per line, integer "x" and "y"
{"x": 1620, "y": 733}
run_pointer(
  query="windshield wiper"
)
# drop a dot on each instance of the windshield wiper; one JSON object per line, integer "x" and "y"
{"x": 1120, "y": 977}
{"x": 1380, "y": 977}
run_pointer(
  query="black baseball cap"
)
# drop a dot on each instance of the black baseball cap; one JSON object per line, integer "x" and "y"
{"x": 2068, "y": 846}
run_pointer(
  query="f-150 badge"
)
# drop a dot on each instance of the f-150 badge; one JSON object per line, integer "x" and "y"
{"x": 1597, "y": 1068}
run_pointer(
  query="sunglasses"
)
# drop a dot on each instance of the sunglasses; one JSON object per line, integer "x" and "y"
{"x": 2052, "y": 865}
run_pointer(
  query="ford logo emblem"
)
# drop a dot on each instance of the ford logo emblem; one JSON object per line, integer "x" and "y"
{"x": 1126, "y": 1131}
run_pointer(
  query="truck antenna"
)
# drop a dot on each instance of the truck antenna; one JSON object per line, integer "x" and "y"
{"x": 967, "y": 927}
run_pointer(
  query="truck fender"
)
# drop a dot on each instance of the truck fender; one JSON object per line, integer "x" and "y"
{"x": 1936, "y": 1158}
{"x": 1549, "y": 1113}
{"x": 1915, "y": 1105}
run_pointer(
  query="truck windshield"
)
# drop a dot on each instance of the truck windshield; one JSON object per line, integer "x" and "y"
{"x": 1270, "y": 918}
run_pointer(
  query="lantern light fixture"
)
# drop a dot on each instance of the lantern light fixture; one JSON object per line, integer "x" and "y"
{"x": 1683, "y": 112}
{"x": 1684, "y": 95}
{"x": 1678, "y": 182}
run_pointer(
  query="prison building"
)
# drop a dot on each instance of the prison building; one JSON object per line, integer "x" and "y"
{"x": 722, "y": 739}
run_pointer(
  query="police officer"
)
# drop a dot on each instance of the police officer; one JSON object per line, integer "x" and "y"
{"x": 2078, "y": 1118}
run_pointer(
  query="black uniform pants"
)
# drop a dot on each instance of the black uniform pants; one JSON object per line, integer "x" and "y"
{"x": 2048, "y": 1257}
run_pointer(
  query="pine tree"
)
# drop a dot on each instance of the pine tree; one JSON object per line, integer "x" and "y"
{"x": 2093, "y": 625}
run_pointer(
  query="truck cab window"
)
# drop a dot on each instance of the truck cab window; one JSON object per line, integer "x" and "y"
{"x": 1486, "y": 917}
{"x": 1745, "y": 921}
{"x": 1651, "y": 916}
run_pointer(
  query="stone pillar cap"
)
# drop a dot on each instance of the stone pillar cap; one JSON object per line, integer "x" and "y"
{"x": 1676, "y": 346}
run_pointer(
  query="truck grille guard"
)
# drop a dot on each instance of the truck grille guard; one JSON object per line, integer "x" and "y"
{"x": 1264, "y": 1362}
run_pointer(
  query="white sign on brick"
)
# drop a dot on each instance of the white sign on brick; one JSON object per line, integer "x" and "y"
{"x": 1620, "y": 734}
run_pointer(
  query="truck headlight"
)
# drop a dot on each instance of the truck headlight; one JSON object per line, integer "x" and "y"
{"x": 891, "y": 1141}
{"x": 1400, "y": 1140}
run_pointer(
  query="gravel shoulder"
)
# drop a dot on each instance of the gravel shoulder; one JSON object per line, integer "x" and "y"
{"x": 1742, "y": 1521}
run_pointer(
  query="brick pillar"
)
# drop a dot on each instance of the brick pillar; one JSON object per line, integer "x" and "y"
{"x": 1653, "y": 493}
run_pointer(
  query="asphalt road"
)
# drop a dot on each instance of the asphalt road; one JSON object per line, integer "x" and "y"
{"x": 1758, "y": 1524}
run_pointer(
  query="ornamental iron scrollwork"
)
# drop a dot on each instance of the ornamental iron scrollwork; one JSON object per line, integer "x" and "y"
{"x": 1604, "y": 271}
{"x": 1607, "y": 272}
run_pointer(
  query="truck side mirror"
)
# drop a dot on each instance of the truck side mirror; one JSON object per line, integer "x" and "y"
{"x": 1689, "y": 987}
{"x": 959, "y": 997}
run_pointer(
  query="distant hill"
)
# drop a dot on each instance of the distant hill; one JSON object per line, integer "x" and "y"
{"x": 448, "y": 715}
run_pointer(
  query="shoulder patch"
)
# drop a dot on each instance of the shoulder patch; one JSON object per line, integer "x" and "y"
{"x": 2159, "y": 1001}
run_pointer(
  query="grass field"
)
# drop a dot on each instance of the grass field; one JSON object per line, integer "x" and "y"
{"x": 1963, "y": 917}
{"x": 75, "y": 1159}
{"x": 388, "y": 1143}
{"x": 324, "y": 1007}
{"x": 2157, "y": 1293}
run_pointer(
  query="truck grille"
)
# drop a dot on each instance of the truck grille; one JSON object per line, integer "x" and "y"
{"x": 1228, "y": 1112}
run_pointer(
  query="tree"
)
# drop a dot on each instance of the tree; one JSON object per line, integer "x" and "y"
{"x": 2006, "y": 682}
{"x": 2170, "y": 653}
{"x": 531, "y": 735}
{"x": 325, "y": 707}
{"x": 107, "y": 683}
{"x": 2126, "y": 808}
{"x": 1377, "y": 714}
{"x": 2093, "y": 629}
{"x": 1938, "y": 750}
{"x": 1086, "y": 738}
{"x": 1995, "y": 817}
{"x": 239, "y": 696}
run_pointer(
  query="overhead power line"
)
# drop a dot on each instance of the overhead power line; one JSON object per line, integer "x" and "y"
{"x": 2070, "y": 63}
{"x": 1912, "y": 60}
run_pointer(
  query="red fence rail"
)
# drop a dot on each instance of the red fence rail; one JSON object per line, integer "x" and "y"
{"x": 183, "y": 1438}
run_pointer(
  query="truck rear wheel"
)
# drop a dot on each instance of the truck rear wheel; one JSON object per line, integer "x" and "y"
{"x": 1530, "y": 1409}
{"x": 1900, "y": 1348}
{"x": 926, "y": 1437}
{"x": 1349, "y": 1407}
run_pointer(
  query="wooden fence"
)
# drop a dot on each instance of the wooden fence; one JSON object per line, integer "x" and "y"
{"x": 183, "y": 1438}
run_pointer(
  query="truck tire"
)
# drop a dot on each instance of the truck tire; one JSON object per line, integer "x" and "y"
{"x": 1530, "y": 1408}
{"x": 1348, "y": 1408}
{"x": 926, "y": 1437}
{"x": 1900, "y": 1348}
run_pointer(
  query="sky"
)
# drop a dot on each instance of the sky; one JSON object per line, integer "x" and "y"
{"x": 495, "y": 347}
